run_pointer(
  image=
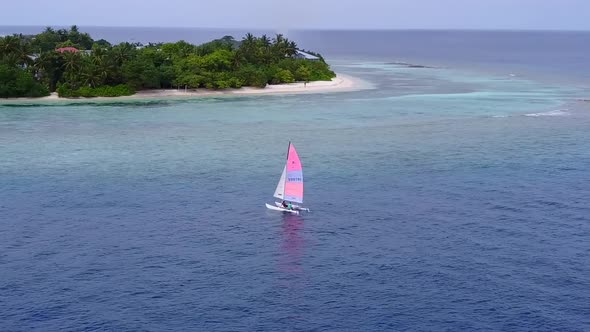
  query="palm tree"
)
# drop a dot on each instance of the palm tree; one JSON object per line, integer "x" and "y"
{"x": 9, "y": 45}
{"x": 24, "y": 54}
{"x": 291, "y": 48}
{"x": 72, "y": 66}
{"x": 15, "y": 49}
{"x": 63, "y": 35}
{"x": 279, "y": 47}
{"x": 238, "y": 57}
{"x": 49, "y": 66}
{"x": 122, "y": 52}
{"x": 279, "y": 39}
{"x": 72, "y": 61}
{"x": 247, "y": 50}
{"x": 266, "y": 51}
{"x": 265, "y": 41}
{"x": 248, "y": 43}
{"x": 249, "y": 39}
{"x": 101, "y": 66}
{"x": 88, "y": 75}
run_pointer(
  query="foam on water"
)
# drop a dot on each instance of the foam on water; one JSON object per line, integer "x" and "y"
{"x": 550, "y": 113}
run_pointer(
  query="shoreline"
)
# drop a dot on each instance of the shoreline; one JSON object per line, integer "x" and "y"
{"x": 341, "y": 83}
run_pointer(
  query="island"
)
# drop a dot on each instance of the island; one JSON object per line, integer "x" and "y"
{"x": 73, "y": 65}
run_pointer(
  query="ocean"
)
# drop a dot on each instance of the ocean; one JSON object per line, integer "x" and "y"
{"x": 452, "y": 194}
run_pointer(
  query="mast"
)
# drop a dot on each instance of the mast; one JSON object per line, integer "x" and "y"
{"x": 286, "y": 159}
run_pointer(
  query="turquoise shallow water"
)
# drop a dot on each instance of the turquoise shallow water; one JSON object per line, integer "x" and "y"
{"x": 441, "y": 200}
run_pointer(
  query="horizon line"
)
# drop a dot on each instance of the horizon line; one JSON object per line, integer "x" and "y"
{"x": 301, "y": 29}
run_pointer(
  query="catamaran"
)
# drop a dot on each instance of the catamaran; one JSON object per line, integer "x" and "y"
{"x": 290, "y": 186}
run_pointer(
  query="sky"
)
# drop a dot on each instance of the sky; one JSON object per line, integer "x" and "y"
{"x": 304, "y": 14}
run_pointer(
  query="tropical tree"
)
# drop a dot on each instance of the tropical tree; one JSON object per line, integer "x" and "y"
{"x": 122, "y": 53}
{"x": 14, "y": 49}
{"x": 9, "y": 47}
{"x": 45, "y": 41}
{"x": 101, "y": 64}
{"x": 303, "y": 73}
{"x": 291, "y": 48}
{"x": 177, "y": 50}
{"x": 247, "y": 50}
{"x": 218, "y": 61}
{"x": 140, "y": 73}
{"x": 88, "y": 75}
{"x": 81, "y": 39}
{"x": 72, "y": 66}
{"x": 50, "y": 68}
{"x": 102, "y": 43}
{"x": 17, "y": 82}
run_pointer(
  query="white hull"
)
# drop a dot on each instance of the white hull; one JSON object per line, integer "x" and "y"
{"x": 276, "y": 208}
{"x": 295, "y": 207}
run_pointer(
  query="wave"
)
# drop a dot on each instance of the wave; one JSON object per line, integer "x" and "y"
{"x": 462, "y": 95}
{"x": 409, "y": 65}
{"x": 562, "y": 112}
{"x": 387, "y": 65}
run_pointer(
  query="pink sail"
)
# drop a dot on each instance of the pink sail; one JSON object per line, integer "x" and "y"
{"x": 294, "y": 180}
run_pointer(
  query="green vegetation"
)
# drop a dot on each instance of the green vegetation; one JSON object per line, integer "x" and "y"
{"x": 16, "y": 82}
{"x": 74, "y": 65}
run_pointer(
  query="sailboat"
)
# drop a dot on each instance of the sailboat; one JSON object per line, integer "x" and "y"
{"x": 290, "y": 186}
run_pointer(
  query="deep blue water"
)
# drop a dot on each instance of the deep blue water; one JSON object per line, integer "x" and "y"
{"x": 448, "y": 198}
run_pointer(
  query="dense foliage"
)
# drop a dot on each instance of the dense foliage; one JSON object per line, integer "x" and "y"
{"x": 16, "y": 82}
{"x": 75, "y": 65}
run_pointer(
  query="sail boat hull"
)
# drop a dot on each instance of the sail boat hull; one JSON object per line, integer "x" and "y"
{"x": 276, "y": 208}
{"x": 295, "y": 206}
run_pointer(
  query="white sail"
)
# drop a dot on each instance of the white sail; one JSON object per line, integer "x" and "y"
{"x": 280, "y": 191}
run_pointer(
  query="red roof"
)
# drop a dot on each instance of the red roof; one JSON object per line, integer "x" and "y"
{"x": 68, "y": 49}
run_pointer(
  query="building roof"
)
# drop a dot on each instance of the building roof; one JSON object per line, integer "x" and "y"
{"x": 67, "y": 49}
{"x": 304, "y": 55}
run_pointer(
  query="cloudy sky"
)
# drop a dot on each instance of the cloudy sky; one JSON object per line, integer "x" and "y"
{"x": 304, "y": 14}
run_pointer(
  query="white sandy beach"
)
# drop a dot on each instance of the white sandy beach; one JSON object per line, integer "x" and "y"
{"x": 341, "y": 83}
